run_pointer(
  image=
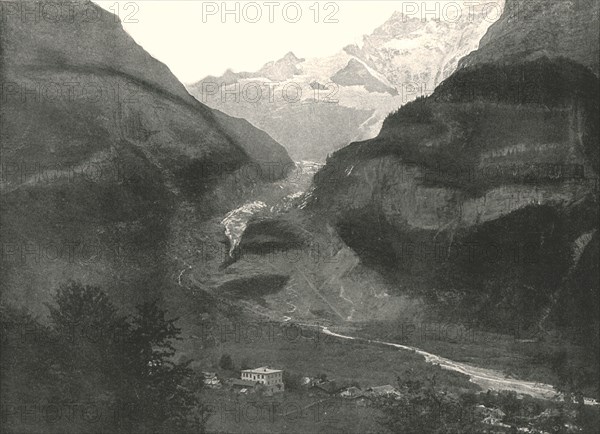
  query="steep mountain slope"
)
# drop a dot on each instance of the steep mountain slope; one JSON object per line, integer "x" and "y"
{"x": 100, "y": 146}
{"x": 528, "y": 30}
{"x": 421, "y": 48}
{"x": 479, "y": 196}
{"x": 315, "y": 106}
{"x": 357, "y": 74}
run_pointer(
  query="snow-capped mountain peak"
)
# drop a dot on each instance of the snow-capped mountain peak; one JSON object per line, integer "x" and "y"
{"x": 314, "y": 106}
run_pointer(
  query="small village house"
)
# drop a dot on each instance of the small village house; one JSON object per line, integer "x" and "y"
{"x": 352, "y": 393}
{"x": 329, "y": 387}
{"x": 211, "y": 380}
{"x": 271, "y": 379}
{"x": 242, "y": 385}
{"x": 387, "y": 390}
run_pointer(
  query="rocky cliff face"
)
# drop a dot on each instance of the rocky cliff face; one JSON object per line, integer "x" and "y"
{"x": 531, "y": 29}
{"x": 101, "y": 145}
{"x": 476, "y": 196}
{"x": 315, "y": 106}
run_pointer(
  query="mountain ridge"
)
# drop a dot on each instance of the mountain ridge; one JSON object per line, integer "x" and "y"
{"x": 101, "y": 145}
{"x": 501, "y": 158}
{"x": 356, "y": 87}
{"x": 526, "y": 30}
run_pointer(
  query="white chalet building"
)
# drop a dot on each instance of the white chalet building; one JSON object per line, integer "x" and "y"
{"x": 271, "y": 378}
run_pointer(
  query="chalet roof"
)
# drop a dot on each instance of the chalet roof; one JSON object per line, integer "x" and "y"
{"x": 262, "y": 370}
{"x": 328, "y": 386}
{"x": 353, "y": 391}
{"x": 383, "y": 390}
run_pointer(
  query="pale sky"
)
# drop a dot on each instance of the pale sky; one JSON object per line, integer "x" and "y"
{"x": 193, "y": 44}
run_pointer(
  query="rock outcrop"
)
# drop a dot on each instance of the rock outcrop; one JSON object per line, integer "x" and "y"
{"x": 529, "y": 29}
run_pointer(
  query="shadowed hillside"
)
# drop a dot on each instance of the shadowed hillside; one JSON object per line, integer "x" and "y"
{"x": 100, "y": 146}
{"x": 483, "y": 197}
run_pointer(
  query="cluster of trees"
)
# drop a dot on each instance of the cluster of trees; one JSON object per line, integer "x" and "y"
{"x": 226, "y": 363}
{"x": 121, "y": 366}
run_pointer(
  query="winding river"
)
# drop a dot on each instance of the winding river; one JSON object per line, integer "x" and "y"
{"x": 487, "y": 379}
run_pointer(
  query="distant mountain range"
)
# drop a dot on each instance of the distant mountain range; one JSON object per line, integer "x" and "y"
{"x": 315, "y": 106}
